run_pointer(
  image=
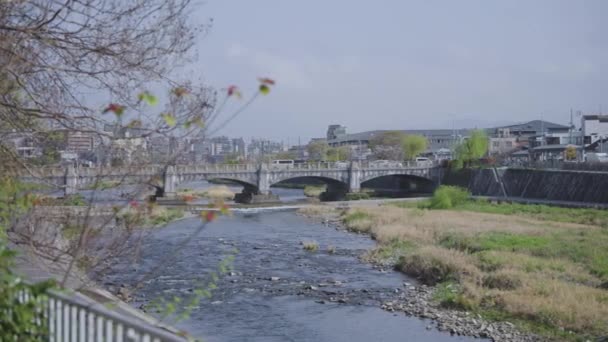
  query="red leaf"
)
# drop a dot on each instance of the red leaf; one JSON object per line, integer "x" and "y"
{"x": 232, "y": 89}
{"x": 114, "y": 108}
{"x": 210, "y": 216}
{"x": 267, "y": 81}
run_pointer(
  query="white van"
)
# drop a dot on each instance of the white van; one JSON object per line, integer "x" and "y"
{"x": 423, "y": 161}
{"x": 283, "y": 163}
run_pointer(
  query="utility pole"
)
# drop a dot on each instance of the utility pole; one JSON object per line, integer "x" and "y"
{"x": 571, "y": 127}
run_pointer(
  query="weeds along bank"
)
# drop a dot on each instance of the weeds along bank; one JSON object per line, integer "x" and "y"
{"x": 547, "y": 276}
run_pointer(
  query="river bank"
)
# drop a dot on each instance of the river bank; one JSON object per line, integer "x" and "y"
{"x": 512, "y": 268}
{"x": 419, "y": 300}
{"x": 277, "y": 289}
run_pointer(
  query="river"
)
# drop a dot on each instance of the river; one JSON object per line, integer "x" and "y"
{"x": 277, "y": 291}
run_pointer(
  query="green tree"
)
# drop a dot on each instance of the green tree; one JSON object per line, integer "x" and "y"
{"x": 285, "y": 155}
{"x": 413, "y": 145}
{"x": 570, "y": 153}
{"x": 472, "y": 148}
{"x": 317, "y": 150}
{"x": 339, "y": 153}
{"x": 388, "y": 145}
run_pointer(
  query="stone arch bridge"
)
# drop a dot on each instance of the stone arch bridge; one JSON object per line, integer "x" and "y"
{"x": 256, "y": 179}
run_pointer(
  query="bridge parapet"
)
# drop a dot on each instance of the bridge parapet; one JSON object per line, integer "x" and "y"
{"x": 255, "y": 177}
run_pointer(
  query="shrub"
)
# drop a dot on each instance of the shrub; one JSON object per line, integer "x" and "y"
{"x": 446, "y": 197}
{"x": 313, "y": 190}
{"x": 311, "y": 246}
{"x": 434, "y": 265}
{"x": 504, "y": 280}
{"x": 450, "y": 295}
{"x": 358, "y": 221}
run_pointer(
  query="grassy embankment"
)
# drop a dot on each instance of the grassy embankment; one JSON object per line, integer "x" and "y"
{"x": 314, "y": 190}
{"x": 544, "y": 268}
{"x": 220, "y": 192}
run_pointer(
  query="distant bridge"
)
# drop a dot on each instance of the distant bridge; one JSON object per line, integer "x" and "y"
{"x": 255, "y": 178}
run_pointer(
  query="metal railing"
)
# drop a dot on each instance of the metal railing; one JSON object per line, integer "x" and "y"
{"x": 69, "y": 318}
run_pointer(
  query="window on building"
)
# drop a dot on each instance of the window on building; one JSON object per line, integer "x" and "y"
{"x": 509, "y": 144}
{"x": 495, "y": 144}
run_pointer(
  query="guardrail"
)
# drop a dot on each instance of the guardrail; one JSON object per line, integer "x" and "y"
{"x": 68, "y": 318}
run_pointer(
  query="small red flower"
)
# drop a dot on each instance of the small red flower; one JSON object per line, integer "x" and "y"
{"x": 134, "y": 204}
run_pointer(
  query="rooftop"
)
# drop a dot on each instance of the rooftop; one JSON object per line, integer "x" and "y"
{"x": 600, "y": 118}
{"x": 368, "y": 135}
{"x": 534, "y": 125}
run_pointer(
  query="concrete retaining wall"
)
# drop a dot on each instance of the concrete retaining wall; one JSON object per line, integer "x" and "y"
{"x": 558, "y": 185}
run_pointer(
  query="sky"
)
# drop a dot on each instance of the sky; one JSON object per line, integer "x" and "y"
{"x": 401, "y": 64}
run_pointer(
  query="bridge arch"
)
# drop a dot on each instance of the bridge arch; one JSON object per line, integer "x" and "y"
{"x": 330, "y": 181}
{"x": 248, "y": 184}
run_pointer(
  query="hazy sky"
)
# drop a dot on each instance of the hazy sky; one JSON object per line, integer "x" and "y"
{"x": 400, "y": 64}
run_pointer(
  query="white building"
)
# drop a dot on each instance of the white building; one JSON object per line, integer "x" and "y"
{"x": 594, "y": 127}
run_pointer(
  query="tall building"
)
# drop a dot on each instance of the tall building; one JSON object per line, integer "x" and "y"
{"x": 335, "y": 132}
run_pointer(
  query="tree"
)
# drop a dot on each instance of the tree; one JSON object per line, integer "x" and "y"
{"x": 285, "y": 155}
{"x": 570, "y": 153}
{"x": 472, "y": 148}
{"x": 339, "y": 153}
{"x": 388, "y": 145}
{"x": 317, "y": 150}
{"x": 413, "y": 145}
{"x": 53, "y": 55}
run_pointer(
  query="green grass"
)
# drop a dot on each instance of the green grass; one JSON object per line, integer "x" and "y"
{"x": 313, "y": 190}
{"x": 390, "y": 252}
{"x": 594, "y": 217}
{"x": 586, "y": 247}
{"x": 353, "y": 216}
{"x": 449, "y": 295}
{"x": 166, "y": 216}
{"x": 546, "y": 277}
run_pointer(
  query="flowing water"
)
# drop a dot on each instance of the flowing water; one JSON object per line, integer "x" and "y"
{"x": 277, "y": 291}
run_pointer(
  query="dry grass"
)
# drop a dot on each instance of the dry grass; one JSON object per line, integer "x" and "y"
{"x": 543, "y": 272}
{"x": 317, "y": 211}
{"x": 218, "y": 192}
{"x": 433, "y": 265}
{"x": 557, "y": 303}
{"x": 311, "y": 246}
